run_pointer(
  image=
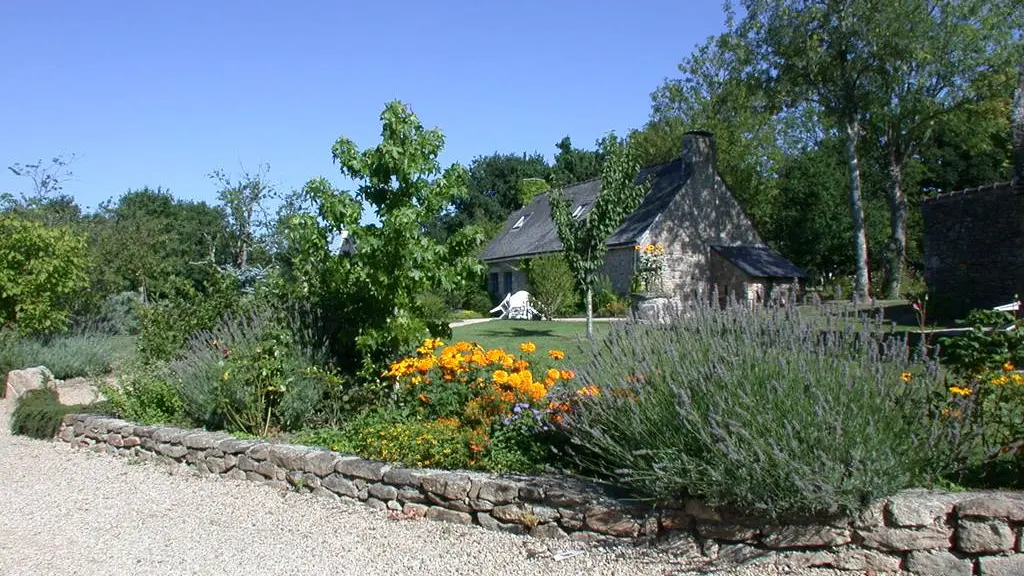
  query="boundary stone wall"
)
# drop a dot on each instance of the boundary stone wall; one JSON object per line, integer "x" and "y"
{"x": 922, "y": 532}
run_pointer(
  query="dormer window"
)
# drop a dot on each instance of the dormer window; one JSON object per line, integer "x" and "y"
{"x": 519, "y": 223}
{"x": 579, "y": 210}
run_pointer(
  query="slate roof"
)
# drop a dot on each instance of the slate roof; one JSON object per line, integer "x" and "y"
{"x": 759, "y": 261}
{"x": 1017, "y": 187}
{"x": 537, "y": 235}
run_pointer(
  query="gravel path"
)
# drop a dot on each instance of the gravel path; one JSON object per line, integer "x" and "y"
{"x": 64, "y": 511}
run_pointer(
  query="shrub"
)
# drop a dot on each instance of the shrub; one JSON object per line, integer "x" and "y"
{"x": 144, "y": 393}
{"x": 552, "y": 286}
{"x": 118, "y": 315}
{"x": 247, "y": 375}
{"x": 67, "y": 356}
{"x": 39, "y": 412}
{"x": 167, "y": 325}
{"x": 479, "y": 300}
{"x": 986, "y": 346}
{"x": 759, "y": 410}
{"x": 42, "y": 268}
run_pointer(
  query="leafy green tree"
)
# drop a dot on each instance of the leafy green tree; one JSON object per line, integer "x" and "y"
{"x": 552, "y": 284}
{"x": 367, "y": 301}
{"x": 46, "y": 200}
{"x": 42, "y": 270}
{"x": 820, "y": 52}
{"x": 584, "y": 243}
{"x": 530, "y": 187}
{"x": 936, "y": 56}
{"x": 574, "y": 165}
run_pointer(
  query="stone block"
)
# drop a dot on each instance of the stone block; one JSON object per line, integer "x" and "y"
{"x": 411, "y": 495}
{"x": 269, "y": 470}
{"x": 804, "y": 536}
{"x": 488, "y": 522}
{"x": 445, "y": 515}
{"x": 937, "y": 563}
{"x": 339, "y": 485}
{"x": 698, "y": 510}
{"x": 169, "y": 435}
{"x": 551, "y": 531}
{"x": 481, "y": 505}
{"x": 360, "y": 468}
{"x": 172, "y": 450}
{"x": 498, "y": 491}
{"x": 415, "y": 510}
{"x": 257, "y": 450}
{"x": 376, "y": 504}
{"x": 531, "y": 493}
{"x": 558, "y": 497}
{"x": 984, "y": 536}
{"x": 726, "y": 532}
{"x": 519, "y": 513}
{"x": 131, "y": 441}
{"x": 611, "y": 521}
{"x": 236, "y": 446}
{"x": 447, "y": 485}
{"x": 907, "y": 539}
{"x": 115, "y": 440}
{"x": 320, "y": 462}
{"x": 204, "y": 440}
{"x": 992, "y": 506}
{"x": 288, "y": 456}
{"x": 403, "y": 477}
{"x": 1001, "y": 565}
{"x": 383, "y": 491}
{"x": 67, "y": 434}
{"x": 19, "y": 382}
{"x": 919, "y": 508}
{"x": 675, "y": 520}
{"x": 246, "y": 464}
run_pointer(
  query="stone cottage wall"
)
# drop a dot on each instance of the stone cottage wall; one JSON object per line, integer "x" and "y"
{"x": 925, "y": 533}
{"x": 974, "y": 248}
{"x": 618, "y": 267}
{"x": 704, "y": 212}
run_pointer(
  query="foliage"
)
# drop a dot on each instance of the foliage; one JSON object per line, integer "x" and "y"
{"x": 38, "y": 413}
{"x": 245, "y": 202}
{"x": 530, "y": 187}
{"x": 617, "y": 307}
{"x": 117, "y": 315}
{"x": 67, "y": 355}
{"x": 367, "y": 301}
{"x": 552, "y": 285}
{"x": 987, "y": 345}
{"x": 42, "y": 269}
{"x": 248, "y": 374}
{"x": 650, "y": 266}
{"x": 484, "y": 395}
{"x": 145, "y": 393}
{"x": 167, "y": 325}
{"x": 574, "y": 165}
{"x": 759, "y": 410}
{"x": 585, "y": 242}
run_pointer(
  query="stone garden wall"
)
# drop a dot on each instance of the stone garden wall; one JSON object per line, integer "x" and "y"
{"x": 922, "y": 532}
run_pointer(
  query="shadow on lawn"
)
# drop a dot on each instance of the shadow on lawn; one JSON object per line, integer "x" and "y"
{"x": 519, "y": 333}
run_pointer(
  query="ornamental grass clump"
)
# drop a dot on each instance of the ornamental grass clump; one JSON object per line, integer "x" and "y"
{"x": 761, "y": 411}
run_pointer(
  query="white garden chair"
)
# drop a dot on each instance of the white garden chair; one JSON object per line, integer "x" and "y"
{"x": 516, "y": 307}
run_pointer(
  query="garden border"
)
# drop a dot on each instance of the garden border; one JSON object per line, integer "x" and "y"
{"x": 920, "y": 531}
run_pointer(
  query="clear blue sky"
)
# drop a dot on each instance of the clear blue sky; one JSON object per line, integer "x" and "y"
{"x": 162, "y": 93}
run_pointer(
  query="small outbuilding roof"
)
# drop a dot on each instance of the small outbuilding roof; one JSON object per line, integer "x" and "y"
{"x": 759, "y": 261}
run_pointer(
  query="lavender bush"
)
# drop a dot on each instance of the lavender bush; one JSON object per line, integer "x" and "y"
{"x": 764, "y": 411}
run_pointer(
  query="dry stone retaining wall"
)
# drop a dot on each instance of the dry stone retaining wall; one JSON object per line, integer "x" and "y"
{"x": 922, "y": 532}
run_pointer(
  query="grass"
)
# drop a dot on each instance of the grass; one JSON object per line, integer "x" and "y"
{"x": 547, "y": 335}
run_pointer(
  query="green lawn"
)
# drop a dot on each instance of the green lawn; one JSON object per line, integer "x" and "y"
{"x": 547, "y": 335}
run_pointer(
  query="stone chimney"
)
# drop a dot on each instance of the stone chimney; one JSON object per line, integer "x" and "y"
{"x": 699, "y": 150}
{"x": 1017, "y": 128}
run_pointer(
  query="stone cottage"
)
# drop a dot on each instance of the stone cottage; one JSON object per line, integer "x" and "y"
{"x": 708, "y": 239}
{"x": 974, "y": 239}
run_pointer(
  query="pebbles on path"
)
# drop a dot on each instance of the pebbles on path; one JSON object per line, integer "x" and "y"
{"x": 64, "y": 511}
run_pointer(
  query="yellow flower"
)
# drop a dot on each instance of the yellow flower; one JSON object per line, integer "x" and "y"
{"x": 556, "y": 354}
{"x": 1017, "y": 378}
{"x": 1000, "y": 380}
{"x": 567, "y": 374}
{"x": 554, "y": 374}
{"x": 959, "y": 391}
{"x": 500, "y": 377}
{"x": 589, "y": 391}
{"x": 906, "y": 376}
{"x": 1008, "y": 367}
{"x": 224, "y": 376}
{"x": 528, "y": 347}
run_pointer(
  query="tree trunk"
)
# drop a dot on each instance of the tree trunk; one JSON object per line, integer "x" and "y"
{"x": 861, "y": 285}
{"x": 590, "y": 313}
{"x": 897, "y": 251}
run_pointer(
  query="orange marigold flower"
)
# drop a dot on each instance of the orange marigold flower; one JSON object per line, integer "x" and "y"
{"x": 906, "y": 376}
{"x": 1017, "y": 378}
{"x": 500, "y": 377}
{"x": 567, "y": 374}
{"x": 528, "y": 347}
{"x": 589, "y": 391}
{"x": 1008, "y": 367}
{"x": 960, "y": 391}
{"x": 556, "y": 354}
{"x": 423, "y": 398}
{"x": 554, "y": 374}
{"x": 1000, "y": 380}
{"x": 494, "y": 355}
{"x": 521, "y": 365}
{"x": 463, "y": 346}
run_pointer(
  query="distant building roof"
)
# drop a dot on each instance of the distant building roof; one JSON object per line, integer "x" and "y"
{"x": 530, "y": 231}
{"x": 759, "y": 261}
